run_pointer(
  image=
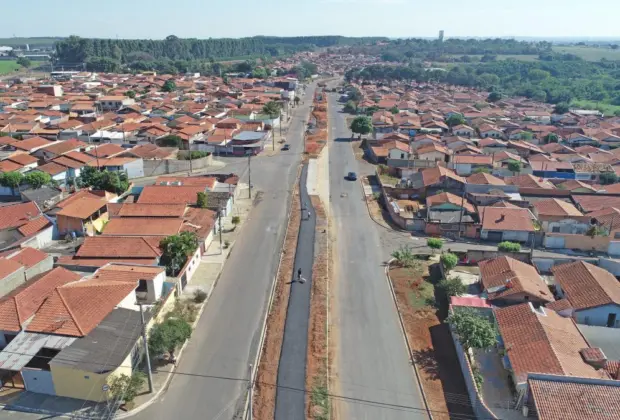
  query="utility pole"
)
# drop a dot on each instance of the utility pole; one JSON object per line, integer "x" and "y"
{"x": 146, "y": 350}
{"x": 250, "y": 176}
{"x": 220, "y": 229}
{"x": 462, "y": 211}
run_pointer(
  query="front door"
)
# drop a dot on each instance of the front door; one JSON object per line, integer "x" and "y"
{"x": 611, "y": 320}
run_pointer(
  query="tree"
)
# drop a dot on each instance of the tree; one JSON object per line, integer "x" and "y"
{"x": 24, "y": 62}
{"x": 169, "y": 86}
{"x": 394, "y": 110}
{"x": 350, "y": 107}
{"x": 508, "y": 246}
{"x": 473, "y": 330}
{"x": 494, "y": 97}
{"x": 176, "y": 250}
{"x": 259, "y": 73}
{"x": 235, "y": 220}
{"x": 167, "y": 336}
{"x": 596, "y": 230}
{"x": 131, "y": 94}
{"x": 607, "y": 178}
{"x": 551, "y": 138}
{"x": 514, "y": 167}
{"x": 272, "y": 109}
{"x": 297, "y": 100}
{"x": 37, "y": 179}
{"x": 126, "y": 388}
{"x": 434, "y": 243}
{"x": 453, "y": 286}
{"x": 96, "y": 179}
{"x": 449, "y": 260}
{"x": 201, "y": 200}
{"x": 455, "y": 119}
{"x": 361, "y": 125}
{"x": 526, "y": 135}
{"x": 11, "y": 180}
{"x": 170, "y": 141}
{"x": 561, "y": 108}
{"x": 481, "y": 169}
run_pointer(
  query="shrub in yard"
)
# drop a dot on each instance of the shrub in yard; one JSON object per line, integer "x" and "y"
{"x": 200, "y": 296}
{"x": 453, "y": 286}
{"x": 405, "y": 257}
{"x": 507, "y": 246}
{"x": 434, "y": 243}
{"x": 236, "y": 220}
{"x": 473, "y": 330}
{"x": 449, "y": 260}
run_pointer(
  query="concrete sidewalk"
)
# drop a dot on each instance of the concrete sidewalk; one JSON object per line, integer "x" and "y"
{"x": 290, "y": 402}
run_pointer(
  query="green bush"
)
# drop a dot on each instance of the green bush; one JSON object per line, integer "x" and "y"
{"x": 508, "y": 246}
{"x": 434, "y": 243}
{"x": 453, "y": 286}
{"x": 193, "y": 155}
{"x": 449, "y": 260}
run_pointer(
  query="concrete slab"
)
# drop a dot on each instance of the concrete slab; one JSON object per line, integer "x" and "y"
{"x": 312, "y": 182}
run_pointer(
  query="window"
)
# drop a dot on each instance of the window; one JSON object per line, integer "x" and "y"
{"x": 402, "y": 155}
{"x": 142, "y": 286}
{"x": 555, "y": 229}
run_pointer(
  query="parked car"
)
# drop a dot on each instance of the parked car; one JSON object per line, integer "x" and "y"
{"x": 286, "y": 147}
{"x": 352, "y": 176}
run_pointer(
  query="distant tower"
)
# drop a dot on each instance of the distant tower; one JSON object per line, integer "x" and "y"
{"x": 27, "y": 47}
{"x": 441, "y": 36}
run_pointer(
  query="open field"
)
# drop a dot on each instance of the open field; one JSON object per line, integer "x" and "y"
{"x": 606, "y": 109}
{"x": 7, "y": 67}
{"x": 33, "y": 42}
{"x": 589, "y": 53}
{"x": 521, "y": 57}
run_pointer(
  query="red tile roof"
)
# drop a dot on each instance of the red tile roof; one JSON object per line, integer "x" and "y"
{"x": 28, "y": 257}
{"x": 537, "y": 343}
{"x": 503, "y": 218}
{"x": 77, "y": 308}
{"x": 8, "y": 267}
{"x": 62, "y": 147}
{"x": 555, "y": 207}
{"x": 151, "y": 210}
{"x": 127, "y": 273}
{"x": 34, "y": 226}
{"x": 161, "y": 194}
{"x": 82, "y": 208}
{"x": 590, "y": 203}
{"x": 141, "y": 226}
{"x": 15, "y": 215}
{"x": 119, "y": 247}
{"x": 484, "y": 179}
{"x": 31, "y": 143}
{"x": 576, "y": 399}
{"x": 19, "y": 305}
{"x": 586, "y": 285}
{"x": 446, "y": 197}
{"x": 504, "y": 277}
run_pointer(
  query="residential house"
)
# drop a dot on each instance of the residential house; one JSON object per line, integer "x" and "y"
{"x": 33, "y": 260}
{"x": 439, "y": 177}
{"x": 22, "y": 225}
{"x": 507, "y": 281}
{"x": 60, "y": 148}
{"x": 488, "y": 130}
{"x": 466, "y": 164}
{"x": 132, "y": 166}
{"x": 433, "y": 152}
{"x": 575, "y": 186}
{"x": 538, "y": 340}
{"x": 150, "y": 279}
{"x": 449, "y": 215}
{"x": 592, "y": 292}
{"x": 591, "y": 203}
{"x": 114, "y": 103}
{"x": 559, "y": 216}
{"x": 463, "y": 130}
{"x": 506, "y": 224}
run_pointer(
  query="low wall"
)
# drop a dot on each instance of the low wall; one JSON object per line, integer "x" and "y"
{"x": 478, "y": 255}
{"x": 480, "y": 408}
{"x": 580, "y": 242}
{"x": 170, "y": 166}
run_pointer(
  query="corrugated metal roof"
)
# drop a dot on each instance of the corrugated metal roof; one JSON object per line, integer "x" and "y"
{"x": 25, "y": 346}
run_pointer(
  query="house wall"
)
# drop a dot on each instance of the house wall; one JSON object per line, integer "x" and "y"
{"x": 134, "y": 169}
{"x": 397, "y": 154}
{"x": 45, "y": 265}
{"x": 193, "y": 264}
{"x": 464, "y": 133}
{"x": 155, "y": 287}
{"x": 508, "y": 235}
{"x": 432, "y": 156}
{"x": 169, "y": 166}
{"x": 68, "y": 224}
{"x": 565, "y": 226}
{"x": 598, "y": 316}
{"x": 41, "y": 239}
{"x": 611, "y": 265}
{"x": 129, "y": 302}
{"x": 39, "y": 381}
{"x": 84, "y": 385}
{"x": 463, "y": 168}
{"x": 11, "y": 281}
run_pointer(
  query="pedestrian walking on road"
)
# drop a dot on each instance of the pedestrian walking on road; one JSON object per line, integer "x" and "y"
{"x": 308, "y": 214}
{"x": 299, "y": 275}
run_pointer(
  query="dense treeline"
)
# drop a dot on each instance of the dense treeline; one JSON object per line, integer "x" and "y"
{"x": 426, "y": 49}
{"x": 106, "y": 53}
{"x": 554, "y": 81}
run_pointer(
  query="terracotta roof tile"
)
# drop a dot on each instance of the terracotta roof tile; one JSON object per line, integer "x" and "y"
{"x": 143, "y": 226}
{"x": 586, "y": 285}
{"x": 503, "y": 277}
{"x": 446, "y": 197}
{"x": 162, "y": 194}
{"x": 19, "y": 305}
{"x": 119, "y": 247}
{"x": 555, "y": 207}
{"x": 34, "y": 226}
{"x": 484, "y": 179}
{"x": 590, "y": 203}
{"x": 28, "y": 257}
{"x": 82, "y": 208}
{"x": 541, "y": 341}
{"x": 15, "y": 215}
{"x": 8, "y": 267}
{"x": 511, "y": 219}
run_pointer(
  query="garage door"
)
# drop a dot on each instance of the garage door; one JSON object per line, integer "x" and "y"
{"x": 495, "y": 236}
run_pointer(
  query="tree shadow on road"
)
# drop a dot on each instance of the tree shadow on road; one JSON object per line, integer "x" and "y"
{"x": 425, "y": 360}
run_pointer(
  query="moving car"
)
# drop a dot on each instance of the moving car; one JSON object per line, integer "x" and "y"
{"x": 286, "y": 147}
{"x": 352, "y": 176}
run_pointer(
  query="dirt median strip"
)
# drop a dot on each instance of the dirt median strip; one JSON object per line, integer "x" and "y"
{"x": 317, "y": 401}
{"x": 267, "y": 374}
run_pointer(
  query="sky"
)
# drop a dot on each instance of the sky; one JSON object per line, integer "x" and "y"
{"x": 157, "y": 19}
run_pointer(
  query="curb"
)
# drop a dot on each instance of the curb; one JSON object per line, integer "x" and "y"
{"x": 404, "y": 332}
{"x": 375, "y": 220}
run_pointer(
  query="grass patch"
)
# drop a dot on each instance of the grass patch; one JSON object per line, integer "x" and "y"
{"x": 589, "y": 52}
{"x": 7, "y": 67}
{"x": 422, "y": 296}
{"x": 606, "y": 109}
{"x": 320, "y": 401}
{"x": 520, "y": 57}
{"x": 387, "y": 179}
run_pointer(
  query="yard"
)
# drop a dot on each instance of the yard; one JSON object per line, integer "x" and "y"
{"x": 7, "y": 67}
{"x": 430, "y": 342}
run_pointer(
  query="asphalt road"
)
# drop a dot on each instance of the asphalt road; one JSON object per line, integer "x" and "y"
{"x": 372, "y": 361}
{"x": 290, "y": 402}
{"x": 226, "y": 338}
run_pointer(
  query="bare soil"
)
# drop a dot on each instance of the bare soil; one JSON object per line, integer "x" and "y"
{"x": 267, "y": 375}
{"x": 317, "y": 352}
{"x": 418, "y": 318}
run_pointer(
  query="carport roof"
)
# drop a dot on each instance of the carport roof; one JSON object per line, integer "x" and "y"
{"x": 26, "y": 345}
